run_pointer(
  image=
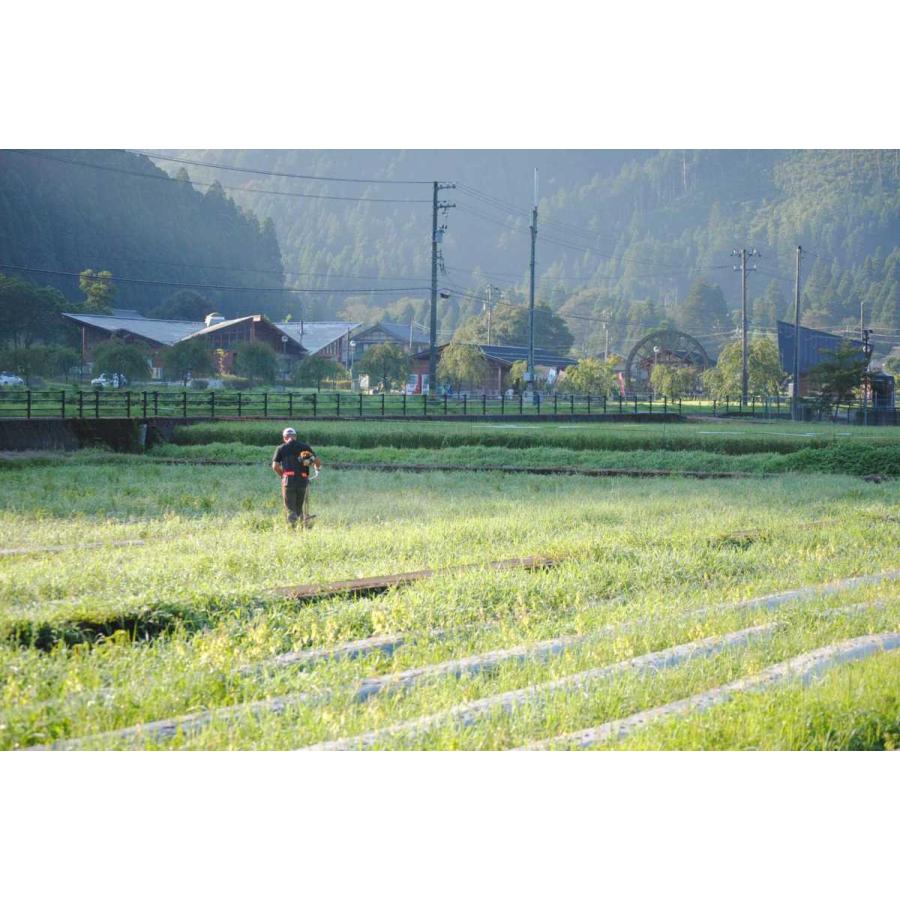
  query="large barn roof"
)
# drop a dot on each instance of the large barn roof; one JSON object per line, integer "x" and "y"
{"x": 313, "y": 336}
{"x": 159, "y": 331}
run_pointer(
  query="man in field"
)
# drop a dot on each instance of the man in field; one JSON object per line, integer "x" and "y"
{"x": 292, "y": 462}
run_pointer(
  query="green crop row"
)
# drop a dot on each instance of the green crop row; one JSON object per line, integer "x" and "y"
{"x": 729, "y": 439}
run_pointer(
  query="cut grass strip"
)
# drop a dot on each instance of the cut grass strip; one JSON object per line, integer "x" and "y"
{"x": 484, "y": 662}
{"x": 361, "y": 691}
{"x": 388, "y": 643}
{"x": 467, "y": 714}
{"x": 805, "y": 668}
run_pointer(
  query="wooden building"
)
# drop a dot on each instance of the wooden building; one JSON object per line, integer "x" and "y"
{"x": 500, "y": 360}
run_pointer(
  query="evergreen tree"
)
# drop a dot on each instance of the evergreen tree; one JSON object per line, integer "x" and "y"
{"x": 704, "y": 309}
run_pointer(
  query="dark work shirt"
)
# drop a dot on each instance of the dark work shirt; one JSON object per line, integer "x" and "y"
{"x": 288, "y": 455}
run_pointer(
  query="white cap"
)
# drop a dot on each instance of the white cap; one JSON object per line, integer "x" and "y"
{"x": 288, "y": 431}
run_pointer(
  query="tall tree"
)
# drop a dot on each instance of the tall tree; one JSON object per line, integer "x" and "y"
{"x": 672, "y": 381}
{"x": 99, "y": 291}
{"x": 589, "y": 376}
{"x": 463, "y": 365}
{"x": 313, "y": 370}
{"x": 838, "y": 378}
{"x": 704, "y": 309}
{"x": 188, "y": 358}
{"x": 763, "y": 368}
{"x": 256, "y": 361}
{"x": 509, "y": 327}
{"x": 389, "y": 364}
{"x": 118, "y": 357}
{"x": 29, "y": 313}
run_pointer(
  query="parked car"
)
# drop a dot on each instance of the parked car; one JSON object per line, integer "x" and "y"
{"x": 105, "y": 380}
{"x": 7, "y": 379}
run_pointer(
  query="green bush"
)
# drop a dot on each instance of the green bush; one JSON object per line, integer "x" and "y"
{"x": 235, "y": 382}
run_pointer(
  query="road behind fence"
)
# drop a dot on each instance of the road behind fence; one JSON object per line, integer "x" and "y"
{"x": 99, "y": 404}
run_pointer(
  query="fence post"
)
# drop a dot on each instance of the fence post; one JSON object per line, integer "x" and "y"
{"x": 571, "y": 404}
{"x": 28, "y": 404}
{"x": 665, "y": 404}
{"x": 290, "y": 405}
{"x": 679, "y": 406}
{"x": 538, "y": 398}
{"x": 465, "y": 403}
{"x": 156, "y": 403}
{"x": 97, "y": 404}
{"x": 315, "y": 404}
{"x": 726, "y": 404}
{"x": 265, "y": 404}
{"x": 502, "y": 403}
{"x": 184, "y": 404}
{"x": 404, "y": 406}
{"x": 337, "y": 405}
{"x": 555, "y": 403}
{"x": 80, "y": 403}
{"x": 144, "y": 403}
{"x": 620, "y": 404}
{"x": 484, "y": 404}
{"x": 604, "y": 404}
{"x": 62, "y": 397}
{"x": 589, "y": 403}
{"x": 212, "y": 404}
{"x": 635, "y": 404}
{"x": 445, "y": 404}
{"x": 651, "y": 404}
{"x": 425, "y": 404}
{"x": 360, "y": 403}
{"x": 127, "y": 404}
{"x": 520, "y": 404}
{"x": 753, "y": 405}
{"x": 240, "y": 400}
{"x": 382, "y": 406}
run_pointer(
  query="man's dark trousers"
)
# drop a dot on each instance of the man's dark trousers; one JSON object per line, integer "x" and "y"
{"x": 293, "y": 491}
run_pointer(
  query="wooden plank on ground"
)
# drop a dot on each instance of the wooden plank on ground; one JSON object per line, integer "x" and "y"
{"x": 380, "y": 583}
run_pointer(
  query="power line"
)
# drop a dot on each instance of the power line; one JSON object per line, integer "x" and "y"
{"x": 209, "y": 165}
{"x": 220, "y": 287}
{"x": 207, "y": 184}
{"x": 182, "y": 265}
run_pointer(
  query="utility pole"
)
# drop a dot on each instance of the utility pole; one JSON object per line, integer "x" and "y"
{"x": 437, "y": 235}
{"x": 745, "y": 372}
{"x": 864, "y": 337}
{"x": 490, "y": 310}
{"x": 605, "y": 318}
{"x": 795, "y": 392}
{"x": 531, "y": 287}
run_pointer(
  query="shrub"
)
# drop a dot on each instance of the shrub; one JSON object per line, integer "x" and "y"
{"x": 235, "y": 382}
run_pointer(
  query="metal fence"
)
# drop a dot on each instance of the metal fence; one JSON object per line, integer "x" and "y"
{"x": 99, "y": 404}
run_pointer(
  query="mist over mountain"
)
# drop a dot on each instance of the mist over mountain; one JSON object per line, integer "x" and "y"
{"x": 69, "y": 210}
{"x": 628, "y": 240}
{"x": 623, "y": 235}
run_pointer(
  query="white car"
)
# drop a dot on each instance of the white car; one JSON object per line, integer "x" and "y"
{"x": 114, "y": 381}
{"x": 7, "y": 379}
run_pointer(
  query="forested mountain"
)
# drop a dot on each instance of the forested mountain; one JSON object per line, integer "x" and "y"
{"x": 66, "y": 211}
{"x": 623, "y": 235}
{"x": 627, "y": 240}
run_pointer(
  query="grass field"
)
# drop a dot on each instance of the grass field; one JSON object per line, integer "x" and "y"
{"x": 132, "y": 592}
